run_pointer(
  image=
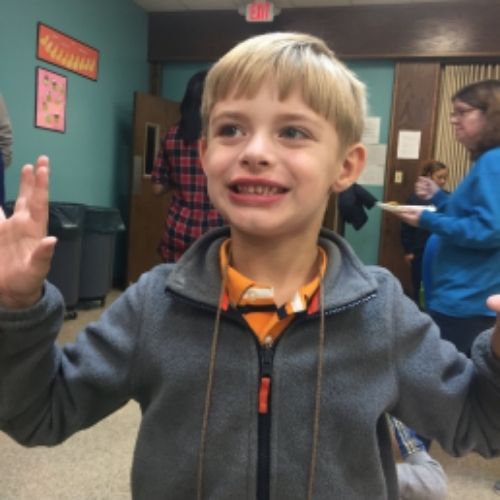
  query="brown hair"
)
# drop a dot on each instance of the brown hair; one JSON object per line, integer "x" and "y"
{"x": 484, "y": 95}
{"x": 430, "y": 167}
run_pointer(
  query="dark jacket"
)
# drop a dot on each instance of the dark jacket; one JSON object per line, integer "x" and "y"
{"x": 352, "y": 203}
{"x": 413, "y": 238}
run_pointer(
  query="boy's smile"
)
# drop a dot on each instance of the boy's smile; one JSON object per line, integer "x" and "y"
{"x": 250, "y": 191}
{"x": 271, "y": 164}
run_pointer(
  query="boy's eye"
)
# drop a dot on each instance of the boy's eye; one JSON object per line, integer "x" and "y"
{"x": 293, "y": 133}
{"x": 228, "y": 130}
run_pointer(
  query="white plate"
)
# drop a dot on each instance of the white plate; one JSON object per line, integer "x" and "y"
{"x": 400, "y": 208}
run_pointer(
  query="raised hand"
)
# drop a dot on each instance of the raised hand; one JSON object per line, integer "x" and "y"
{"x": 25, "y": 248}
{"x": 425, "y": 188}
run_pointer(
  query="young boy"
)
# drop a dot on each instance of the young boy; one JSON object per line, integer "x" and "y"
{"x": 266, "y": 359}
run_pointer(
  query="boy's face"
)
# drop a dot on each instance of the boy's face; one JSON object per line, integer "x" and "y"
{"x": 271, "y": 165}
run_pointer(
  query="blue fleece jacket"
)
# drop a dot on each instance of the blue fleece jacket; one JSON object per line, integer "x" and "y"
{"x": 465, "y": 268}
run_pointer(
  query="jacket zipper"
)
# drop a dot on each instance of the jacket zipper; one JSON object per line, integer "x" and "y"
{"x": 266, "y": 354}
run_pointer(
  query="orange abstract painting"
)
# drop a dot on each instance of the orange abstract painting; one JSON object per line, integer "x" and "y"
{"x": 67, "y": 52}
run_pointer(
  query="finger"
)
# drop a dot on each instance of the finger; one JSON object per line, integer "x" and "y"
{"x": 26, "y": 183}
{"x": 42, "y": 160}
{"x": 40, "y": 195}
{"x": 422, "y": 188}
{"x": 28, "y": 175}
{"x": 42, "y": 177}
{"x": 493, "y": 303}
{"x": 39, "y": 200}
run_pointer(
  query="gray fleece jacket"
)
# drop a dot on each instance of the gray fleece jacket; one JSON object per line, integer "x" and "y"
{"x": 152, "y": 345}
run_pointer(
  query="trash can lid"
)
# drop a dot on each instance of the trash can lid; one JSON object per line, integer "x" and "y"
{"x": 66, "y": 219}
{"x": 103, "y": 220}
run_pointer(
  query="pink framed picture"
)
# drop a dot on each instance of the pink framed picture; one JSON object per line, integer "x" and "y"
{"x": 50, "y": 100}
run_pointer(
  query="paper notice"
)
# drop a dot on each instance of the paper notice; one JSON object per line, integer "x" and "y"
{"x": 409, "y": 144}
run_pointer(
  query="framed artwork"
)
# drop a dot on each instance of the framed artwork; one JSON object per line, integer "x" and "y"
{"x": 51, "y": 91}
{"x": 64, "y": 51}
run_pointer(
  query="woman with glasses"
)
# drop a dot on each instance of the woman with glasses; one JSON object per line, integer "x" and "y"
{"x": 465, "y": 262}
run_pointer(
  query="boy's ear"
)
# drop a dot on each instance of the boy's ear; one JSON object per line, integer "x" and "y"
{"x": 351, "y": 167}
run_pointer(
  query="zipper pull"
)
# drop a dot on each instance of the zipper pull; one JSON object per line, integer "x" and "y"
{"x": 264, "y": 389}
{"x": 265, "y": 379}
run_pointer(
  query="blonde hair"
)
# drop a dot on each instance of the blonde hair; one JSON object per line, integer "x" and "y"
{"x": 291, "y": 60}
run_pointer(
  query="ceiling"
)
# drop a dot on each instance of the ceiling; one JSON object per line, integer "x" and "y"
{"x": 184, "y": 5}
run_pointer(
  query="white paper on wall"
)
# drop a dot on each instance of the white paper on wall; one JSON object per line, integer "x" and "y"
{"x": 374, "y": 171}
{"x": 409, "y": 144}
{"x": 371, "y": 132}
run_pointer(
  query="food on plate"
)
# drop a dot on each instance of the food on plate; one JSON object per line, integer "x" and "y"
{"x": 394, "y": 206}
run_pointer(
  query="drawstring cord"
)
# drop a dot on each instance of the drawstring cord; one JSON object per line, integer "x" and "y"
{"x": 208, "y": 393}
{"x": 317, "y": 402}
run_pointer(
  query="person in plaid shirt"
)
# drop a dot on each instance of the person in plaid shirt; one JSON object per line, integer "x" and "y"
{"x": 5, "y": 146}
{"x": 177, "y": 168}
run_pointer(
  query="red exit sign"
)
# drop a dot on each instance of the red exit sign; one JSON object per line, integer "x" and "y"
{"x": 260, "y": 12}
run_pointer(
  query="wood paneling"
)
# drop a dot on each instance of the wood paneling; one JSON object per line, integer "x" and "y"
{"x": 419, "y": 36}
{"x": 429, "y": 30}
{"x": 415, "y": 95}
{"x": 155, "y": 78}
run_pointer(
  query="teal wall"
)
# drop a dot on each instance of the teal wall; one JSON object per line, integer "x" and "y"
{"x": 378, "y": 77}
{"x": 176, "y": 76}
{"x": 90, "y": 161}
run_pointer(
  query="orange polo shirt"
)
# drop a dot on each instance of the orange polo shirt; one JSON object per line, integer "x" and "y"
{"x": 267, "y": 325}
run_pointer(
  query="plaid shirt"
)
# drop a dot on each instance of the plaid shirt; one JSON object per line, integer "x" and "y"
{"x": 190, "y": 213}
{"x": 408, "y": 440}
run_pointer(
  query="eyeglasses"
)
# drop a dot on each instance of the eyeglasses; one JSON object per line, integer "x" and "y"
{"x": 460, "y": 113}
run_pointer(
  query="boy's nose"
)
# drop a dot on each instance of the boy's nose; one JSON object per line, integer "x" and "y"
{"x": 258, "y": 151}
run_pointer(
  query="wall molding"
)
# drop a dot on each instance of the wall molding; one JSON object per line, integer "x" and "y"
{"x": 458, "y": 30}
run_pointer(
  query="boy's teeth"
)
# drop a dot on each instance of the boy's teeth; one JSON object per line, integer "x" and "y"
{"x": 260, "y": 190}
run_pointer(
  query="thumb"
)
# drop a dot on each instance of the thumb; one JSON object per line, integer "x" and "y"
{"x": 42, "y": 255}
{"x": 493, "y": 303}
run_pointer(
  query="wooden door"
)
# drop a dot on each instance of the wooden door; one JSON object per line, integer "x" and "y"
{"x": 152, "y": 117}
{"x": 416, "y": 90}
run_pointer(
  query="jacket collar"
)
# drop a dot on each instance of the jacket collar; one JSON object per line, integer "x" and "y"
{"x": 197, "y": 277}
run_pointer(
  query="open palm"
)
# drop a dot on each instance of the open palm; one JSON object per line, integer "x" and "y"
{"x": 25, "y": 248}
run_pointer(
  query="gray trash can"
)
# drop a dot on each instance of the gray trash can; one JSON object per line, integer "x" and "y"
{"x": 101, "y": 226}
{"x": 66, "y": 223}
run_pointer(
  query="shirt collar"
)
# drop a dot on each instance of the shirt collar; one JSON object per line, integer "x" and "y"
{"x": 241, "y": 290}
